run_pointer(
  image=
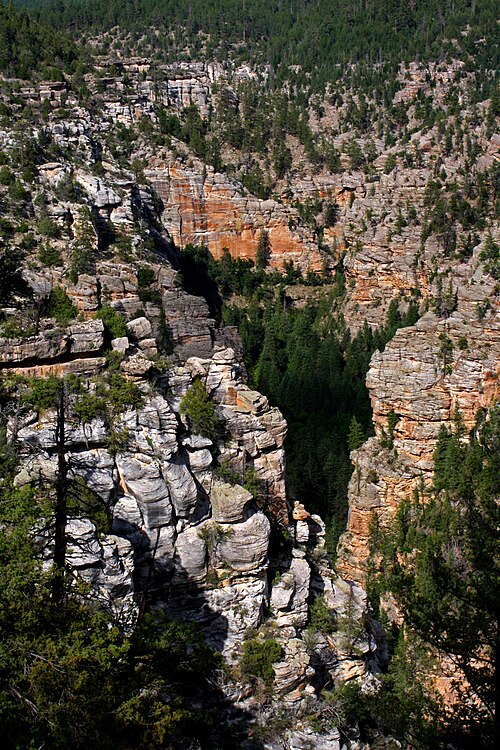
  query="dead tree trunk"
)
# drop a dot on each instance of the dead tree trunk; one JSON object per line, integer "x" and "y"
{"x": 61, "y": 512}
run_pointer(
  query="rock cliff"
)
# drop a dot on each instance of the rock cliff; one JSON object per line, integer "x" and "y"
{"x": 183, "y": 533}
{"x": 200, "y": 525}
{"x": 204, "y": 207}
{"x": 429, "y": 375}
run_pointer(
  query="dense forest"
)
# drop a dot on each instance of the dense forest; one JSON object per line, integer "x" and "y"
{"x": 316, "y": 36}
{"x": 28, "y": 47}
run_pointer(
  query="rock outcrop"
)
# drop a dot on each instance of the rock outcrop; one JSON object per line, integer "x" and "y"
{"x": 428, "y": 375}
{"x": 205, "y": 207}
{"x": 183, "y": 532}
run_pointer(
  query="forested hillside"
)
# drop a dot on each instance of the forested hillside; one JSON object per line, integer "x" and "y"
{"x": 28, "y": 48}
{"x": 316, "y": 36}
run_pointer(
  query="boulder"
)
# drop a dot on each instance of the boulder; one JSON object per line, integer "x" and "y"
{"x": 229, "y": 502}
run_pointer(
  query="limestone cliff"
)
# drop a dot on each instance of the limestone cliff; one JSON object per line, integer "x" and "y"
{"x": 203, "y": 207}
{"x": 427, "y": 374}
{"x": 184, "y": 534}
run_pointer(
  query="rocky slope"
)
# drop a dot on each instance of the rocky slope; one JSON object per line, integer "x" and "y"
{"x": 381, "y": 193}
{"x": 196, "y": 545}
{"x": 184, "y": 534}
{"x": 428, "y": 374}
{"x": 212, "y": 209}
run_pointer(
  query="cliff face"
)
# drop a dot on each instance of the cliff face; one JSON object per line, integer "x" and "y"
{"x": 184, "y": 534}
{"x": 427, "y": 374}
{"x": 383, "y": 209}
{"x": 204, "y": 207}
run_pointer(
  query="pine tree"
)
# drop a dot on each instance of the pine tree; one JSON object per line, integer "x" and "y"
{"x": 441, "y": 565}
{"x": 263, "y": 250}
{"x": 356, "y": 436}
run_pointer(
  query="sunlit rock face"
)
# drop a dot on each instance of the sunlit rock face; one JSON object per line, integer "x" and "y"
{"x": 427, "y": 375}
{"x": 183, "y": 531}
{"x": 205, "y": 207}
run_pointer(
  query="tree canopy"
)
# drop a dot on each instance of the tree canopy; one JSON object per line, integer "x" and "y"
{"x": 440, "y": 560}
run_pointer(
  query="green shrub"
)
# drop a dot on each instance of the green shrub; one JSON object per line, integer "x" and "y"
{"x": 257, "y": 660}
{"x": 89, "y": 406}
{"x": 82, "y": 258}
{"x": 145, "y": 278}
{"x": 48, "y": 228}
{"x": 11, "y": 328}
{"x": 113, "y": 321}
{"x": 356, "y": 436}
{"x": 82, "y": 261}
{"x": 121, "y": 393}
{"x": 113, "y": 361}
{"x": 118, "y": 441}
{"x": 60, "y": 306}
{"x": 200, "y": 410}
{"x": 227, "y": 474}
{"x": 17, "y": 192}
{"x": 49, "y": 256}
{"x": 320, "y": 617}
{"x": 42, "y": 393}
{"x": 6, "y": 176}
{"x": 490, "y": 257}
{"x": 6, "y": 228}
{"x": 28, "y": 242}
{"x": 123, "y": 245}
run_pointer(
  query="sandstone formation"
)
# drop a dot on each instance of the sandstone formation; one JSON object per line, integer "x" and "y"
{"x": 185, "y": 534}
{"x": 428, "y": 374}
{"x": 194, "y": 543}
{"x": 212, "y": 209}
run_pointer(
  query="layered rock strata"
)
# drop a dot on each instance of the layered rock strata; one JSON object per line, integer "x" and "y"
{"x": 429, "y": 375}
{"x": 184, "y": 533}
{"x": 205, "y": 207}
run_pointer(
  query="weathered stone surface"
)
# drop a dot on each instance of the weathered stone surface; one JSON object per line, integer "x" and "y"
{"x": 139, "y": 328}
{"x": 97, "y": 467}
{"x": 190, "y": 557}
{"x": 127, "y": 519}
{"x": 142, "y": 479}
{"x": 289, "y": 596}
{"x": 293, "y": 671}
{"x": 106, "y": 565}
{"x": 229, "y": 502}
{"x": 137, "y": 365}
{"x": 86, "y": 337}
{"x": 101, "y": 194}
{"x": 424, "y": 382}
{"x": 212, "y": 210}
{"x": 196, "y": 442}
{"x": 183, "y": 491}
{"x": 198, "y": 461}
{"x": 240, "y": 605}
{"x": 189, "y": 324}
{"x": 46, "y": 345}
{"x": 120, "y": 345}
{"x": 309, "y": 738}
{"x": 245, "y": 547}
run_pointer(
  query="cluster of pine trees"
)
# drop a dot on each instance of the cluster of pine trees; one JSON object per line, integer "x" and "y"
{"x": 29, "y": 48}
{"x": 440, "y": 561}
{"x": 307, "y": 363}
{"x": 317, "y": 36}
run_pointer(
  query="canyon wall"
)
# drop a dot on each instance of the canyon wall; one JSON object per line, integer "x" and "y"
{"x": 428, "y": 375}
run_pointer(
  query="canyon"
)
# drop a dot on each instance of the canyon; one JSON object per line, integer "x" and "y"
{"x": 203, "y": 526}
